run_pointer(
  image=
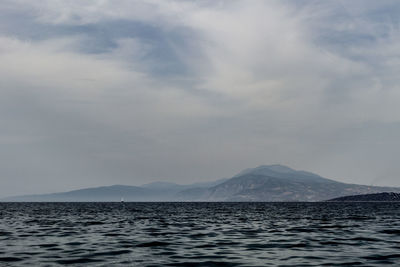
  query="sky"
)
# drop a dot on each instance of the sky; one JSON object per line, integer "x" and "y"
{"x": 129, "y": 92}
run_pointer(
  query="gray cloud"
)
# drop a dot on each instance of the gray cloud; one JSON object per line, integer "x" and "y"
{"x": 96, "y": 93}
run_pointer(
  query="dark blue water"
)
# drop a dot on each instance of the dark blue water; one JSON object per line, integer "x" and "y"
{"x": 199, "y": 234}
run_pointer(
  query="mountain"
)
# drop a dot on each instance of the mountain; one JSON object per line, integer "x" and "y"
{"x": 277, "y": 183}
{"x": 103, "y": 193}
{"x": 155, "y": 191}
{"x": 381, "y": 197}
{"x": 163, "y": 186}
{"x": 179, "y": 187}
{"x": 263, "y": 183}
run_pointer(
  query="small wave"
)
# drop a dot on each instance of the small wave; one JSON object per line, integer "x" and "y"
{"x": 93, "y": 223}
{"x": 381, "y": 257}
{"x": 205, "y": 264}
{"x": 391, "y": 231}
{"x": 111, "y": 253}
{"x": 153, "y": 244}
{"x": 10, "y": 259}
{"x": 48, "y": 245}
{"x": 77, "y": 261}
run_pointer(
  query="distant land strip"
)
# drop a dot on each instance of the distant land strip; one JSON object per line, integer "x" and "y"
{"x": 265, "y": 183}
{"x": 378, "y": 197}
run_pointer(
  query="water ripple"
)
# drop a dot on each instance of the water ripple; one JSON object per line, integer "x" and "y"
{"x": 200, "y": 234}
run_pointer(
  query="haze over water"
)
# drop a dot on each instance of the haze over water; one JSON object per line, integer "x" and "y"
{"x": 199, "y": 234}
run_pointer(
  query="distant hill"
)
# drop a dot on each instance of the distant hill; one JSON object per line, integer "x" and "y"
{"x": 384, "y": 197}
{"x": 156, "y": 191}
{"x": 277, "y": 183}
{"x": 263, "y": 183}
{"x": 103, "y": 193}
{"x": 179, "y": 187}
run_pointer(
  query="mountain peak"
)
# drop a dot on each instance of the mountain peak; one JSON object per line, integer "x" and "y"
{"x": 284, "y": 172}
{"x": 277, "y": 168}
{"x": 267, "y": 169}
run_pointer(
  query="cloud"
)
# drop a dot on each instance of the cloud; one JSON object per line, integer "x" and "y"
{"x": 128, "y": 91}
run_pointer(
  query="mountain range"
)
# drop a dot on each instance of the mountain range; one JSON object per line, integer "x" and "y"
{"x": 263, "y": 183}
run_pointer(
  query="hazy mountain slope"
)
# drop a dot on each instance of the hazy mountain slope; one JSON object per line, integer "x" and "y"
{"x": 179, "y": 187}
{"x": 163, "y": 186}
{"x": 208, "y": 184}
{"x": 280, "y": 171}
{"x": 104, "y": 193}
{"x": 156, "y": 191}
{"x": 280, "y": 183}
{"x": 193, "y": 194}
{"x": 279, "y": 189}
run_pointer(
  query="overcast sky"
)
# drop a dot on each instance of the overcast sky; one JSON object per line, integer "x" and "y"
{"x": 128, "y": 92}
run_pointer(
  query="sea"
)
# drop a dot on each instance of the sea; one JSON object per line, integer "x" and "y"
{"x": 200, "y": 234}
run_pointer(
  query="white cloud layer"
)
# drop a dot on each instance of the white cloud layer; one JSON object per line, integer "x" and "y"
{"x": 110, "y": 92}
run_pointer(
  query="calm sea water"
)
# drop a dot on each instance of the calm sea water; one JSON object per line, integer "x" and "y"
{"x": 199, "y": 234}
